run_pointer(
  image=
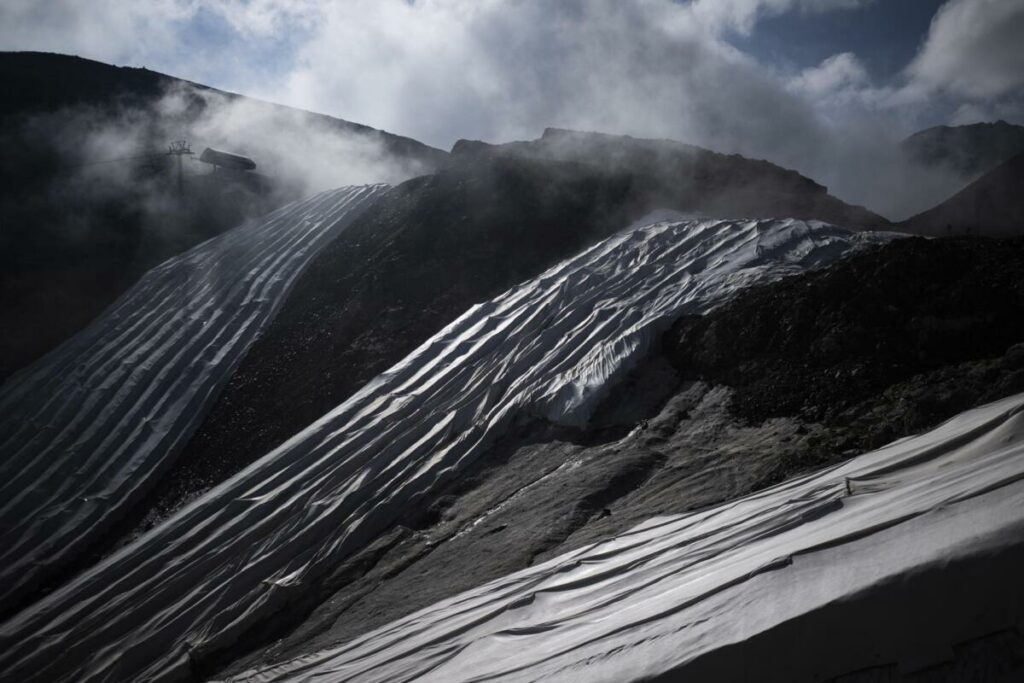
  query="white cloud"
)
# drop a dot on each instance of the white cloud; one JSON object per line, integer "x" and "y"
{"x": 841, "y": 72}
{"x": 983, "y": 112}
{"x": 442, "y": 69}
{"x": 265, "y": 17}
{"x": 102, "y": 29}
{"x": 974, "y": 49}
{"x": 497, "y": 70}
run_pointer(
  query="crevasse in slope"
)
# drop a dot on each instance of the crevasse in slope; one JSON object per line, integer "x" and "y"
{"x": 85, "y": 429}
{"x": 888, "y": 559}
{"x": 550, "y": 347}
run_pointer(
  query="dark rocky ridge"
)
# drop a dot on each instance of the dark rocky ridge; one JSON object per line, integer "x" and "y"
{"x": 673, "y": 174}
{"x": 991, "y": 206}
{"x": 77, "y": 234}
{"x": 946, "y": 311}
{"x": 966, "y": 150}
{"x": 40, "y": 82}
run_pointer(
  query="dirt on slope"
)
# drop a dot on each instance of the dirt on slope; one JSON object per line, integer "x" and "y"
{"x": 884, "y": 344}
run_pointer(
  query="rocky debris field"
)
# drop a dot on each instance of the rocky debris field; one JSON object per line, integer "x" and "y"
{"x": 885, "y": 344}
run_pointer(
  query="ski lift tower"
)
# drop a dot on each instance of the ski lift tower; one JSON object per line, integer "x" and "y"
{"x": 179, "y": 148}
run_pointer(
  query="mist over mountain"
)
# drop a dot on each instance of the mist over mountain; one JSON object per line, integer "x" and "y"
{"x": 90, "y": 199}
{"x": 969, "y": 150}
{"x": 670, "y": 174}
{"x": 992, "y": 206}
{"x": 46, "y": 83}
{"x": 689, "y": 360}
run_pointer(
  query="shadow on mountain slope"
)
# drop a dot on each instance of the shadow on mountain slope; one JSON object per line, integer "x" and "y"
{"x": 666, "y": 173}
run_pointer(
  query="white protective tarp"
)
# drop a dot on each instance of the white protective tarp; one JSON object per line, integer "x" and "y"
{"x": 85, "y": 429}
{"x": 550, "y": 347}
{"x": 891, "y": 558}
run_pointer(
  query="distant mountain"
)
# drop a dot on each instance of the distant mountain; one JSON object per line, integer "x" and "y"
{"x": 967, "y": 150}
{"x": 670, "y": 173}
{"x": 992, "y": 205}
{"x": 90, "y": 199}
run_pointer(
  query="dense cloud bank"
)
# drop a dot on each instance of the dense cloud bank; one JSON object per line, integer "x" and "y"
{"x": 439, "y": 70}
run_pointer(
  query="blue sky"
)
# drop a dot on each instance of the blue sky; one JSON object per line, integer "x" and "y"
{"x": 266, "y": 56}
{"x": 886, "y": 35}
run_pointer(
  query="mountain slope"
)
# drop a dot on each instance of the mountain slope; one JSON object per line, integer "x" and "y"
{"x": 243, "y": 560}
{"x": 992, "y": 206}
{"x": 492, "y": 217}
{"x": 90, "y": 428}
{"x": 675, "y": 175}
{"x": 968, "y": 151}
{"x": 90, "y": 200}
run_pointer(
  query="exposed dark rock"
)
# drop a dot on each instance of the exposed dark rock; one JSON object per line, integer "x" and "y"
{"x": 884, "y": 344}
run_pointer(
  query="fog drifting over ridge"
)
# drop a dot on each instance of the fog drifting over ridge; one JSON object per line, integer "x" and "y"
{"x": 439, "y": 70}
{"x": 302, "y": 153}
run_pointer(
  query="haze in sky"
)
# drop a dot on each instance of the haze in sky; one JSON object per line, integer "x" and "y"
{"x": 827, "y": 87}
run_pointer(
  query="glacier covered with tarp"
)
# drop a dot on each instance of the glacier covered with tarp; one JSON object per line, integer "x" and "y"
{"x": 86, "y": 430}
{"x": 551, "y": 348}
